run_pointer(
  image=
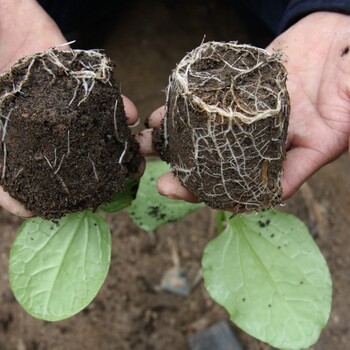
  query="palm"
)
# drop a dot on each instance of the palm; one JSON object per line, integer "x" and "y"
{"x": 320, "y": 105}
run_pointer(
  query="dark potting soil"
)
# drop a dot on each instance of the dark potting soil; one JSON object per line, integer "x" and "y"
{"x": 226, "y": 123}
{"x": 66, "y": 144}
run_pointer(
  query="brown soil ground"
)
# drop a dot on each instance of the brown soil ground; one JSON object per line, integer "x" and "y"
{"x": 130, "y": 313}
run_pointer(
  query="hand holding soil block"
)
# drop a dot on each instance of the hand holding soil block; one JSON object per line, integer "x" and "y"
{"x": 225, "y": 128}
{"x": 66, "y": 145}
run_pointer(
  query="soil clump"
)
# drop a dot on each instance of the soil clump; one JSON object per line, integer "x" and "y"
{"x": 225, "y": 128}
{"x": 66, "y": 145}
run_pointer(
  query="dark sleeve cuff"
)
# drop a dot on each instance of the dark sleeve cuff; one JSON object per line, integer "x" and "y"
{"x": 297, "y": 9}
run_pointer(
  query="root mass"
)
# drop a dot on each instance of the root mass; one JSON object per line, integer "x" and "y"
{"x": 66, "y": 145}
{"x": 225, "y": 128}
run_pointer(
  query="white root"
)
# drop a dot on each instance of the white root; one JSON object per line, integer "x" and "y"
{"x": 59, "y": 165}
{"x": 123, "y": 153}
{"x": 65, "y": 187}
{"x": 19, "y": 172}
{"x": 48, "y": 162}
{"x": 116, "y": 132}
{"x": 93, "y": 168}
{"x": 115, "y": 120}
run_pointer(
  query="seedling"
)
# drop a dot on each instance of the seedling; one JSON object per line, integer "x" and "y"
{"x": 224, "y": 134}
{"x": 66, "y": 149}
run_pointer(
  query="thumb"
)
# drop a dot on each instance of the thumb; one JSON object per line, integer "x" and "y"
{"x": 130, "y": 110}
{"x": 300, "y": 164}
{"x": 12, "y": 205}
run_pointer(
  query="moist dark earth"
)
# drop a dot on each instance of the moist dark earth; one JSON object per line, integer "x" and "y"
{"x": 67, "y": 146}
{"x": 130, "y": 312}
{"x": 225, "y": 161}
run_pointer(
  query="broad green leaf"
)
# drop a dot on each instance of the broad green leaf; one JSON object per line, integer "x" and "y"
{"x": 268, "y": 273}
{"x": 150, "y": 209}
{"x": 121, "y": 200}
{"x": 56, "y": 269}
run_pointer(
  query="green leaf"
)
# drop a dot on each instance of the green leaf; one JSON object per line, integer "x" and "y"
{"x": 121, "y": 200}
{"x": 57, "y": 268}
{"x": 150, "y": 209}
{"x": 220, "y": 218}
{"x": 269, "y": 274}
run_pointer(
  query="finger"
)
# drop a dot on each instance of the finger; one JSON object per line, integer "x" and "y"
{"x": 12, "y": 205}
{"x": 144, "y": 138}
{"x": 155, "y": 119}
{"x": 301, "y": 163}
{"x": 130, "y": 110}
{"x": 170, "y": 186}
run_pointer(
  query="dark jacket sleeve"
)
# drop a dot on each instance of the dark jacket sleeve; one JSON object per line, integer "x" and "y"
{"x": 73, "y": 15}
{"x": 296, "y": 9}
{"x": 278, "y": 15}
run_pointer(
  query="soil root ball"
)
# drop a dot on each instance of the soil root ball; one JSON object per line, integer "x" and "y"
{"x": 225, "y": 128}
{"x": 66, "y": 145}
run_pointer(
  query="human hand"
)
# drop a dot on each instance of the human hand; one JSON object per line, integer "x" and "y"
{"x": 25, "y": 28}
{"x": 316, "y": 55}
